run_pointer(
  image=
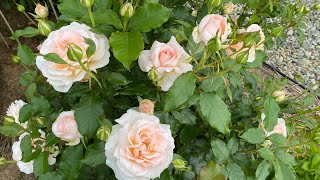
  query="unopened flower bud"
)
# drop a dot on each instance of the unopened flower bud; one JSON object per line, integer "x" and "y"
{"x": 41, "y": 11}
{"x": 44, "y": 28}
{"x": 146, "y": 106}
{"x": 2, "y": 161}
{"x": 15, "y": 59}
{"x": 20, "y": 8}
{"x": 103, "y": 133}
{"x": 40, "y": 121}
{"x": 316, "y": 6}
{"x": 279, "y": 95}
{"x": 8, "y": 119}
{"x": 74, "y": 53}
{"x": 87, "y": 3}
{"x": 180, "y": 165}
{"x": 194, "y": 13}
{"x": 153, "y": 74}
{"x": 214, "y": 3}
{"x": 228, "y": 8}
{"x": 127, "y": 10}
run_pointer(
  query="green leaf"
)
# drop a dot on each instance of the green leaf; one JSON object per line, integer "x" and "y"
{"x": 115, "y": 78}
{"x": 287, "y": 159}
{"x": 148, "y": 16}
{"x": 266, "y": 154}
{"x": 180, "y": 92}
{"x": 211, "y": 171}
{"x": 165, "y": 175}
{"x": 215, "y": 112}
{"x": 40, "y": 164}
{"x": 72, "y": 8}
{"x": 272, "y": 109}
{"x": 54, "y": 58}
{"x": 127, "y": 46}
{"x": 30, "y": 91}
{"x": 283, "y": 171}
{"x": 95, "y": 154}
{"x": 185, "y": 116}
{"x": 40, "y": 104}
{"x": 51, "y": 139}
{"x": 11, "y": 130}
{"x": 211, "y": 84}
{"x": 233, "y": 145}
{"x": 263, "y": 170}
{"x": 51, "y": 176}
{"x": 26, "y": 32}
{"x": 26, "y": 148}
{"x": 105, "y": 17}
{"x": 86, "y": 113}
{"x": 91, "y": 49}
{"x": 235, "y": 172}
{"x": 25, "y": 113}
{"x": 253, "y": 136}
{"x": 27, "y": 78}
{"x": 71, "y": 164}
{"x": 26, "y": 55}
{"x": 220, "y": 150}
{"x": 277, "y": 139}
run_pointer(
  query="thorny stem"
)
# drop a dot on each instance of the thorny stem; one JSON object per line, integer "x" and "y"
{"x": 7, "y": 23}
{"x": 53, "y": 9}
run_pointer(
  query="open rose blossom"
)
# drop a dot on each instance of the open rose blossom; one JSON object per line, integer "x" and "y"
{"x": 139, "y": 147}
{"x": 236, "y": 49}
{"x": 168, "y": 61}
{"x": 62, "y": 76}
{"x": 14, "y": 110}
{"x": 280, "y": 128}
{"x": 211, "y": 26}
{"x": 66, "y": 128}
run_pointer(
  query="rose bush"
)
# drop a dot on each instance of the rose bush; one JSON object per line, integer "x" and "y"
{"x": 161, "y": 90}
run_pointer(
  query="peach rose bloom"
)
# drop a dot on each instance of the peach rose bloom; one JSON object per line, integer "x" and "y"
{"x": 211, "y": 26}
{"x": 146, "y": 106}
{"x": 280, "y": 128}
{"x": 169, "y": 60}
{"x": 139, "y": 147}
{"x": 66, "y": 128}
{"x": 236, "y": 49}
{"x": 62, "y": 76}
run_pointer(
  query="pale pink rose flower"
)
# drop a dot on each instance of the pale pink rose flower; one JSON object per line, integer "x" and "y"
{"x": 14, "y": 109}
{"x": 62, "y": 76}
{"x": 146, "y": 106}
{"x": 236, "y": 49}
{"x": 66, "y": 128}
{"x": 169, "y": 60}
{"x": 139, "y": 147}
{"x": 280, "y": 128}
{"x": 212, "y": 26}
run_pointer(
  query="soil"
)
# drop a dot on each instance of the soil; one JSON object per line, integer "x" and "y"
{"x": 9, "y": 84}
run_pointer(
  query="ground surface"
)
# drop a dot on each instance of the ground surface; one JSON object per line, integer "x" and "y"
{"x": 9, "y": 88}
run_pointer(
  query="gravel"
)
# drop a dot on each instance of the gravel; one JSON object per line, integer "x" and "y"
{"x": 296, "y": 59}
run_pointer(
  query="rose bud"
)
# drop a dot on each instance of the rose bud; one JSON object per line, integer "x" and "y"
{"x": 44, "y": 28}
{"x": 87, "y": 3}
{"x": 8, "y": 119}
{"x": 2, "y": 161}
{"x": 66, "y": 128}
{"x": 41, "y": 11}
{"x": 127, "y": 10}
{"x": 103, "y": 133}
{"x": 15, "y": 59}
{"x": 180, "y": 165}
{"x": 214, "y": 3}
{"x": 146, "y": 106}
{"x": 20, "y": 8}
{"x": 279, "y": 95}
{"x": 74, "y": 53}
{"x": 228, "y": 8}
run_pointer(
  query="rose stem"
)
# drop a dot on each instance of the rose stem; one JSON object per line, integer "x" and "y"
{"x": 53, "y": 9}
{"x": 7, "y": 23}
{"x": 32, "y": 21}
{"x": 91, "y": 17}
